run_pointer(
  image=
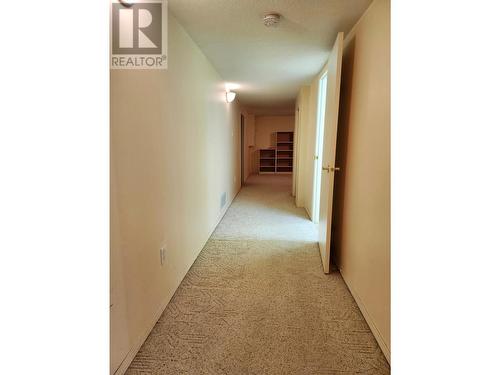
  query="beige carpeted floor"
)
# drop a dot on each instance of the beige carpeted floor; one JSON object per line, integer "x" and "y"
{"x": 257, "y": 302}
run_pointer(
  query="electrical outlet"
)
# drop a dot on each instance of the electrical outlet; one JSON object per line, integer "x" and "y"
{"x": 162, "y": 256}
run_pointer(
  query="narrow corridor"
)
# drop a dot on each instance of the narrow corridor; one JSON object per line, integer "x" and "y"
{"x": 256, "y": 300}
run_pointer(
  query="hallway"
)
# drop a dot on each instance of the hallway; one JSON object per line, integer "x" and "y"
{"x": 256, "y": 300}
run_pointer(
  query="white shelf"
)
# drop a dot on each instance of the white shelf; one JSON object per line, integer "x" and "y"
{"x": 288, "y": 156}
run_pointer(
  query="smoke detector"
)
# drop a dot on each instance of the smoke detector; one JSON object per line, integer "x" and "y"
{"x": 271, "y": 19}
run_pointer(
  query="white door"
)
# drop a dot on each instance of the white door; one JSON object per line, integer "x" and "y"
{"x": 329, "y": 146}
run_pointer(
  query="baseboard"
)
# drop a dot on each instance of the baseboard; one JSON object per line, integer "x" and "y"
{"x": 371, "y": 323}
{"x": 308, "y": 213}
{"x": 137, "y": 346}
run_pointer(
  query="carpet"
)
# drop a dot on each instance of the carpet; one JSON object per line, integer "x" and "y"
{"x": 256, "y": 300}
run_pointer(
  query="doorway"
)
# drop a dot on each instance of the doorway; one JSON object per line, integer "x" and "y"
{"x": 320, "y": 127}
{"x": 242, "y": 141}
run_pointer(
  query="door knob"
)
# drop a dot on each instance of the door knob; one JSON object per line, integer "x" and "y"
{"x": 331, "y": 169}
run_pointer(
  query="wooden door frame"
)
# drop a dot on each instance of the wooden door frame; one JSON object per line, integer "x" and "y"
{"x": 242, "y": 148}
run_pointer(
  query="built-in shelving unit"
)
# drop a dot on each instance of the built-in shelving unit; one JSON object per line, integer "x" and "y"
{"x": 284, "y": 152}
{"x": 267, "y": 161}
{"x": 280, "y": 158}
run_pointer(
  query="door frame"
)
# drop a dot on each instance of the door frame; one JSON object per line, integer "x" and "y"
{"x": 242, "y": 148}
{"x": 318, "y": 149}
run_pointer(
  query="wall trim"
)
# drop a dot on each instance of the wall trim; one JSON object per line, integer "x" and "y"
{"x": 371, "y": 323}
{"x": 137, "y": 346}
{"x": 308, "y": 213}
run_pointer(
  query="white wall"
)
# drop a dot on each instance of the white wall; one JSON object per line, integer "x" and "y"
{"x": 174, "y": 151}
{"x": 362, "y": 188}
{"x": 267, "y": 126}
{"x": 363, "y": 235}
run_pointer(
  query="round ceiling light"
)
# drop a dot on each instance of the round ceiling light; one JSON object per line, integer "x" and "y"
{"x": 230, "y": 95}
{"x": 127, "y": 3}
{"x": 271, "y": 19}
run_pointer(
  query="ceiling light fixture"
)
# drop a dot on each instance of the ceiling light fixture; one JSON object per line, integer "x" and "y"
{"x": 271, "y": 19}
{"x": 127, "y": 3}
{"x": 230, "y": 95}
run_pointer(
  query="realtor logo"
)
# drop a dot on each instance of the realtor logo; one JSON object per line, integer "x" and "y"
{"x": 138, "y": 34}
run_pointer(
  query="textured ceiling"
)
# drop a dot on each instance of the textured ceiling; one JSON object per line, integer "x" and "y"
{"x": 267, "y": 65}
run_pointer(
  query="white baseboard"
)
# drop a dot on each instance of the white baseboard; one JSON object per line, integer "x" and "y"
{"x": 137, "y": 346}
{"x": 371, "y": 323}
{"x": 308, "y": 213}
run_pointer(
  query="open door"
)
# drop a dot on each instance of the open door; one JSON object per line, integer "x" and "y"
{"x": 329, "y": 147}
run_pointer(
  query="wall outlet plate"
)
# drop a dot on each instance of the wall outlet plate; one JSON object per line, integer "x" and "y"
{"x": 162, "y": 255}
